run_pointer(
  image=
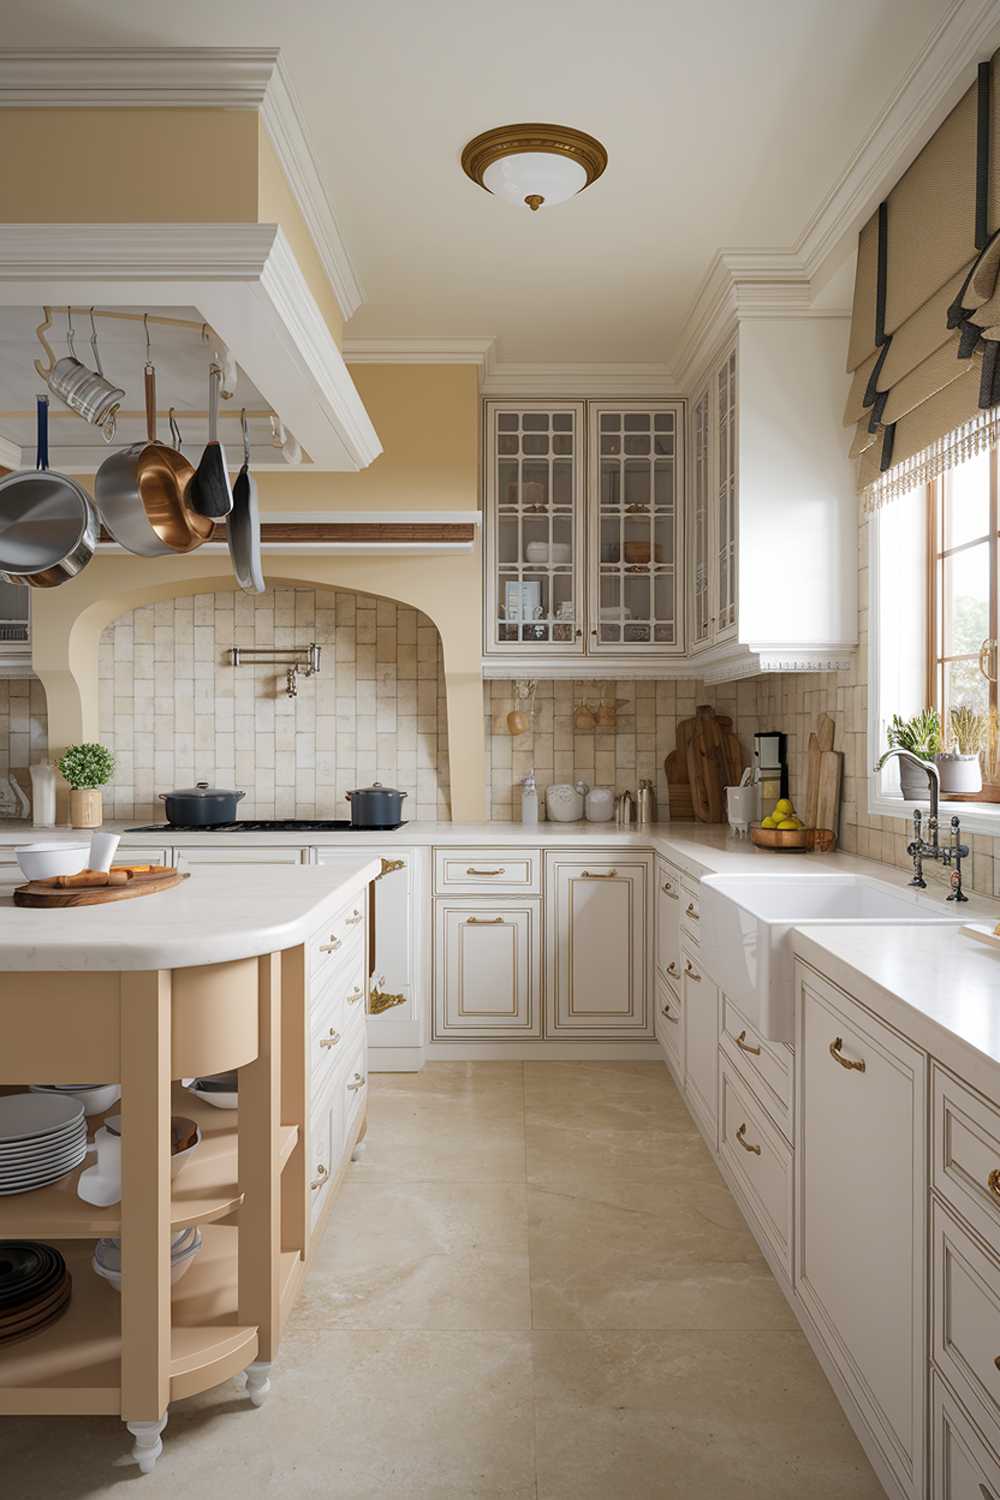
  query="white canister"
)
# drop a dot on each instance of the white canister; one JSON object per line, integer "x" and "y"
{"x": 600, "y": 804}
{"x": 741, "y": 808}
{"x": 564, "y": 802}
{"x": 43, "y": 795}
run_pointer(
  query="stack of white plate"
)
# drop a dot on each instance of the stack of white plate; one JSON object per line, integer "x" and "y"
{"x": 184, "y": 1246}
{"x": 42, "y": 1137}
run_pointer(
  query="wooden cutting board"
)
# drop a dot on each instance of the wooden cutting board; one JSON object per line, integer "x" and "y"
{"x": 36, "y": 893}
{"x": 831, "y": 771}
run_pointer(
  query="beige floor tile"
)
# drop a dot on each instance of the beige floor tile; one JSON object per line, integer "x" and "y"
{"x": 441, "y": 1143}
{"x": 566, "y": 1159}
{"x": 691, "y": 1416}
{"x": 421, "y": 1255}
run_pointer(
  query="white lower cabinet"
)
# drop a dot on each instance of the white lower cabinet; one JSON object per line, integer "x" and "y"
{"x": 487, "y": 975}
{"x": 237, "y": 854}
{"x": 326, "y": 1147}
{"x": 962, "y": 1466}
{"x": 597, "y": 960}
{"x": 965, "y": 1298}
{"x": 861, "y": 1219}
{"x": 669, "y": 1024}
{"x": 668, "y": 904}
{"x": 700, "y": 998}
{"x": 761, "y": 1161}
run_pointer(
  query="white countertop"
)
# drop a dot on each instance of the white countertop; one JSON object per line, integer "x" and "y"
{"x": 211, "y": 918}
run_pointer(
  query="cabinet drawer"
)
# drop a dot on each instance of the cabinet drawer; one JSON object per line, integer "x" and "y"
{"x": 669, "y": 1022}
{"x": 337, "y": 1007}
{"x": 966, "y": 1153}
{"x": 339, "y": 939}
{"x": 690, "y": 912}
{"x": 668, "y": 901}
{"x": 487, "y": 968}
{"x": 966, "y": 1318}
{"x": 137, "y": 854}
{"x": 326, "y": 1147}
{"x": 355, "y": 1084}
{"x": 765, "y": 1066}
{"x": 963, "y": 1467}
{"x": 759, "y": 1158}
{"x": 701, "y": 1042}
{"x": 504, "y": 872}
{"x": 235, "y": 852}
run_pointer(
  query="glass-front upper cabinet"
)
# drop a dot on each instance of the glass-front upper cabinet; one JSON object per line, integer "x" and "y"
{"x": 713, "y": 509}
{"x": 725, "y": 382}
{"x": 701, "y": 624}
{"x": 534, "y": 503}
{"x": 635, "y": 486}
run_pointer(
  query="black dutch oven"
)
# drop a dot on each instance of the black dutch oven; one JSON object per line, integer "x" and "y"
{"x": 200, "y": 806}
{"x": 376, "y": 806}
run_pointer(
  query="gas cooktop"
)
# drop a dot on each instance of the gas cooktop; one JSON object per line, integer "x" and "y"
{"x": 265, "y": 825}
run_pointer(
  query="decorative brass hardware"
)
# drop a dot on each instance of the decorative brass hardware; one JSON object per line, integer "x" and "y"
{"x": 331, "y": 1040}
{"x": 741, "y": 1137}
{"x": 355, "y": 995}
{"x": 673, "y": 970}
{"x": 996, "y": 1361}
{"x": 988, "y": 655}
{"x": 354, "y": 919}
{"x": 993, "y": 1181}
{"x": 744, "y": 1045}
{"x": 332, "y": 945}
{"x": 381, "y": 1000}
{"x": 389, "y": 867}
{"x": 691, "y": 971}
{"x": 668, "y": 890}
{"x": 472, "y": 871}
{"x": 692, "y": 911}
{"x": 670, "y": 1015}
{"x": 321, "y": 1175}
{"x": 357, "y": 1083}
{"x": 853, "y": 1065}
{"x": 510, "y": 140}
{"x": 485, "y": 921}
{"x": 590, "y": 875}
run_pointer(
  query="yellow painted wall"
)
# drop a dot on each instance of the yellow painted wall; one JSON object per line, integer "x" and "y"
{"x": 276, "y": 205}
{"x": 120, "y": 166}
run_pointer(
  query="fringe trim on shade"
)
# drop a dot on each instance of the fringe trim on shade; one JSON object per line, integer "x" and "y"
{"x": 973, "y": 437}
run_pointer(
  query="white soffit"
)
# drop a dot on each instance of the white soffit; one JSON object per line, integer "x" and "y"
{"x": 186, "y": 78}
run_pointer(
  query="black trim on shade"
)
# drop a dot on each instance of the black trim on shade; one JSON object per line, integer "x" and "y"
{"x": 883, "y": 252}
{"x": 888, "y": 438}
{"x": 989, "y": 380}
{"x": 983, "y": 155}
{"x": 968, "y": 340}
{"x": 871, "y": 389}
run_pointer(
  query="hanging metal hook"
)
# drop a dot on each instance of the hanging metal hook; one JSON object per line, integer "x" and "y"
{"x": 244, "y": 424}
{"x": 93, "y": 344}
{"x": 175, "y": 432}
{"x": 149, "y": 349}
{"x": 40, "y": 336}
{"x": 69, "y": 331}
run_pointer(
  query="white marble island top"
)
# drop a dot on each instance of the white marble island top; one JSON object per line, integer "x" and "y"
{"x": 214, "y": 916}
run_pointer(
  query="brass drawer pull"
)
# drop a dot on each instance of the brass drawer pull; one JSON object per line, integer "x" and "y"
{"x": 355, "y": 995}
{"x": 741, "y": 1137}
{"x": 332, "y": 945}
{"x": 331, "y": 1040}
{"x": 853, "y": 1065}
{"x": 668, "y": 890}
{"x": 673, "y": 970}
{"x": 471, "y": 871}
{"x": 993, "y": 1181}
{"x": 692, "y": 911}
{"x": 670, "y": 1015}
{"x": 691, "y": 971}
{"x": 744, "y": 1045}
{"x": 485, "y": 921}
{"x": 321, "y": 1176}
{"x": 591, "y": 875}
{"x": 357, "y": 1083}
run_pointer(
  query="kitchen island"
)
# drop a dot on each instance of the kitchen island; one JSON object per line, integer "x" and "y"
{"x": 264, "y": 973}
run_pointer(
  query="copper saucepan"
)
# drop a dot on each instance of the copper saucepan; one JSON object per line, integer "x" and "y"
{"x": 142, "y": 494}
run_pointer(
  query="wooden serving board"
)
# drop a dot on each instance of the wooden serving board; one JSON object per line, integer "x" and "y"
{"x": 36, "y": 893}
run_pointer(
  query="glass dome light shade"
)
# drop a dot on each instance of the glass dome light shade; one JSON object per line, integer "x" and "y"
{"x": 544, "y": 175}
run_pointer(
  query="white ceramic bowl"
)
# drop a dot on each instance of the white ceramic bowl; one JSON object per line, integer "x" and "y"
{"x": 544, "y": 552}
{"x": 221, "y": 1099}
{"x": 178, "y": 1158}
{"x": 182, "y": 1257}
{"x": 42, "y": 861}
{"x": 95, "y": 1100}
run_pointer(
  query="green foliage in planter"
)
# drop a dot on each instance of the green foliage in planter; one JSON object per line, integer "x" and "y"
{"x": 87, "y": 766}
{"x": 921, "y": 735}
{"x": 968, "y": 729}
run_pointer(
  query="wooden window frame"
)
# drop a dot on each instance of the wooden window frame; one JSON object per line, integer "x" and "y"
{"x": 936, "y": 555}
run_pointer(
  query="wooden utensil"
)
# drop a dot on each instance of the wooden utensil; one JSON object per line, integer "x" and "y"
{"x": 813, "y": 757}
{"x": 831, "y": 771}
{"x": 37, "y": 894}
{"x": 825, "y": 731}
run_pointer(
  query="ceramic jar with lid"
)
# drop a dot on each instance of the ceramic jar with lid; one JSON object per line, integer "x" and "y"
{"x": 564, "y": 802}
{"x": 600, "y": 804}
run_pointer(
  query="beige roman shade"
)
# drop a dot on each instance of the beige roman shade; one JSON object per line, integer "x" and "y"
{"x": 924, "y": 350}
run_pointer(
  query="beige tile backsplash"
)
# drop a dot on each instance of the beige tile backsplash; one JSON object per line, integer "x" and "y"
{"x": 174, "y": 711}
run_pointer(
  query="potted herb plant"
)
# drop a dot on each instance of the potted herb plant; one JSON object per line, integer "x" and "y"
{"x": 921, "y": 735}
{"x": 86, "y": 768}
{"x": 960, "y": 766}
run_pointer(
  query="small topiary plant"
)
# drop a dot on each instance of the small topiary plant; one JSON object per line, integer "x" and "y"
{"x": 87, "y": 766}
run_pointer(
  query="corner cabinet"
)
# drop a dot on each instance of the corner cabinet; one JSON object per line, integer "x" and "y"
{"x": 712, "y": 559}
{"x": 584, "y": 539}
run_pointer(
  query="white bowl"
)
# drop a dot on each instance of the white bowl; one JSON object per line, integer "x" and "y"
{"x": 42, "y": 861}
{"x": 220, "y": 1099}
{"x": 545, "y": 552}
{"x": 180, "y": 1263}
{"x": 95, "y": 1100}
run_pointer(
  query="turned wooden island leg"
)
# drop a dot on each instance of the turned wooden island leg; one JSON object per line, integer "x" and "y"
{"x": 145, "y": 1212}
{"x": 260, "y": 1180}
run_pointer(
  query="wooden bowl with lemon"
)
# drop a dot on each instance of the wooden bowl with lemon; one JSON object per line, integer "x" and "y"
{"x": 783, "y": 830}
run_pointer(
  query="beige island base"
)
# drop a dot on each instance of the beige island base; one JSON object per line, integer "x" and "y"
{"x": 267, "y": 974}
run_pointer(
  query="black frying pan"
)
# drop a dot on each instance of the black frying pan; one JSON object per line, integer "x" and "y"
{"x": 244, "y": 525}
{"x": 210, "y": 491}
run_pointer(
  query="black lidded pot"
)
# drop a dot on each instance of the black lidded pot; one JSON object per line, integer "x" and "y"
{"x": 200, "y": 806}
{"x": 376, "y": 806}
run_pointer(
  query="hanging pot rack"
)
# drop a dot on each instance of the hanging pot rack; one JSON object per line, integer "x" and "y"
{"x": 205, "y": 330}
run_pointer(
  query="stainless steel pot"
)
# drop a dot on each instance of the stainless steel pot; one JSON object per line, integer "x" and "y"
{"x": 200, "y": 806}
{"x": 48, "y": 526}
{"x": 376, "y": 806}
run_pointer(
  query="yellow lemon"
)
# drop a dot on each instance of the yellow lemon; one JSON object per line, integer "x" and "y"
{"x": 789, "y": 823}
{"x": 783, "y": 809}
{"x": 768, "y": 823}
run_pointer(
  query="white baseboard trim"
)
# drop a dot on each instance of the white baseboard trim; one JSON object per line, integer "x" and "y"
{"x": 395, "y": 1059}
{"x": 543, "y": 1051}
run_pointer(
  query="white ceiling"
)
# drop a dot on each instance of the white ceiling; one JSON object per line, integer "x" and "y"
{"x": 726, "y": 125}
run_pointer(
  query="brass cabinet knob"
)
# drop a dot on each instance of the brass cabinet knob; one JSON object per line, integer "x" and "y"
{"x": 853, "y": 1065}
{"x": 692, "y": 911}
{"x": 691, "y": 971}
{"x": 673, "y": 970}
{"x": 993, "y": 1181}
{"x": 321, "y": 1176}
{"x": 668, "y": 890}
{"x": 747, "y": 1146}
{"x": 744, "y": 1045}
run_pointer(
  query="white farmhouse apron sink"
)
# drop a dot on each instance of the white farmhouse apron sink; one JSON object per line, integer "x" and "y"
{"x": 747, "y": 923}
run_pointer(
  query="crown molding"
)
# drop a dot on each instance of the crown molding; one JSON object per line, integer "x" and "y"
{"x": 498, "y": 378}
{"x": 185, "y": 78}
{"x": 418, "y": 352}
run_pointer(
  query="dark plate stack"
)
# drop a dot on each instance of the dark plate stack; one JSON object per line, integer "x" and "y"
{"x": 35, "y": 1288}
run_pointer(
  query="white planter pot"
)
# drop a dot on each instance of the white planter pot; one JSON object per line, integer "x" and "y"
{"x": 960, "y": 773}
{"x": 913, "y": 782}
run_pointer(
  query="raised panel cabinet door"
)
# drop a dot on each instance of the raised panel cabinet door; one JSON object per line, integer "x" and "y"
{"x": 487, "y": 969}
{"x": 861, "y": 1222}
{"x": 668, "y": 905}
{"x": 701, "y": 1043}
{"x": 700, "y": 592}
{"x": 598, "y": 963}
{"x": 235, "y": 852}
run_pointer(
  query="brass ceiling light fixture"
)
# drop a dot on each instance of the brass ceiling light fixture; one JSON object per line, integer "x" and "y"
{"x": 539, "y": 165}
